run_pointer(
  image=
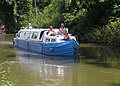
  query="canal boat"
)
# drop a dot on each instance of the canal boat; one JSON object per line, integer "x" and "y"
{"x": 40, "y": 41}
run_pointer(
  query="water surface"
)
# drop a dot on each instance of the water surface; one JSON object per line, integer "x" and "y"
{"x": 97, "y": 66}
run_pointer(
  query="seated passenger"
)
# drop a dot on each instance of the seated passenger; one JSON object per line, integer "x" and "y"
{"x": 51, "y": 29}
{"x": 62, "y": 30}
{"x": 66, "y": 36}
{"x": 51, "y": 32}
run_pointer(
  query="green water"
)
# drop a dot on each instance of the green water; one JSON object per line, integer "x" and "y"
{"x": 98, "y": 66}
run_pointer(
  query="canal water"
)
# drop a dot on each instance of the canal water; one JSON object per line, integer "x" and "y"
{"x": 96, "y": 66}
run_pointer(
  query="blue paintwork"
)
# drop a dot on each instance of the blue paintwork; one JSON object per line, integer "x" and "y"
{"x": 66, "y": 48}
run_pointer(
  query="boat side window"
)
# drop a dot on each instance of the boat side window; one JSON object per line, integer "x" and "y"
{"x": 28, "y": 35}
{"x": 25, "y": 35}
{"x": 22, "y": 35}
{"x": 47, "y": 40}
{"x": 47, "y": 33}
{"x": 53, "y": 40}
{"x": 35, "y": 35}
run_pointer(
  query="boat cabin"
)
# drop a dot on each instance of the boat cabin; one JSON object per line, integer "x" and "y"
{"x": 41, "y": 35}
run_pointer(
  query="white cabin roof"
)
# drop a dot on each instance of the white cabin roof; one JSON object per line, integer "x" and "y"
{"x": 38, "y": 30}
{"x": 33, "y": 29}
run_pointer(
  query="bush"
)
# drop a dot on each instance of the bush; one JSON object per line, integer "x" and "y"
{"x": 109, "y": 34}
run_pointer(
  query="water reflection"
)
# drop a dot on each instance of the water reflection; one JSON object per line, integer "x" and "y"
{"x": 48, "y": 69}
{"x": 46, "y": 64}
{"x": 40, "y": 70}
{"x": 101, "y": 56}
{"x": 98, "y": 66}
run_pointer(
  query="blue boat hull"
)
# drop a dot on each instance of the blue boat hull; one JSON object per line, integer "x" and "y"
{"x": 68, "y": 48}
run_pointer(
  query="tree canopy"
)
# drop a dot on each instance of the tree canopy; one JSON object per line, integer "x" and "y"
{"x": 92, "y": 20}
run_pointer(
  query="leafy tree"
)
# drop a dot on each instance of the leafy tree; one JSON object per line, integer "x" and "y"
{"x": 86, "y": 18}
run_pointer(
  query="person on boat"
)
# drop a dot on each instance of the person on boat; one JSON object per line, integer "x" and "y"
{"x": 4, "y": 30}
{"x": 62, "y": 30}
{"x": 51, "y": 29}
{"x": 29, "y": 26}
{"x": 66, "y": 36}
{"x": 51, "y": 32}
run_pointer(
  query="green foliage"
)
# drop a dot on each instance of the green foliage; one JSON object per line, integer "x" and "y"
{"x": 91, "y": 20}
{"x": 41, "y": 4}
{"x": 51, "y": 14}
{"x": 6, "y": 82}
{"x": 97, "y": 17}
{"x": 109, "y": 34}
